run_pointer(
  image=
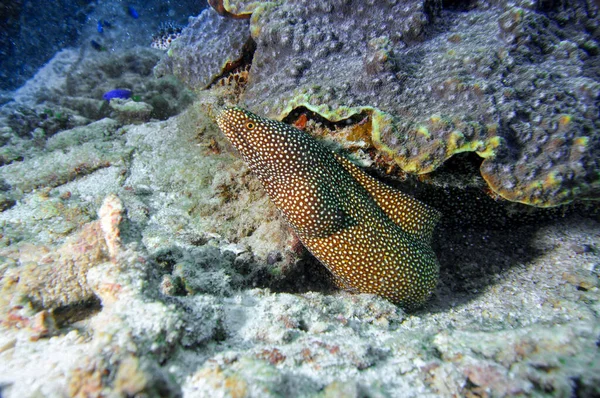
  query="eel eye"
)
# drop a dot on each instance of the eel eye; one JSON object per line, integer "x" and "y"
{"x": 250, "y": 125}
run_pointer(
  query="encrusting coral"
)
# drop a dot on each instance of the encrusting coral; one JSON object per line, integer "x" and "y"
{"x": 220, "y": 8}
{"x": 501, "y": 80}
{"x": 208, "y": 47}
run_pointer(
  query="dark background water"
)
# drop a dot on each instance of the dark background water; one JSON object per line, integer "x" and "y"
{"x": 32, "y": 31}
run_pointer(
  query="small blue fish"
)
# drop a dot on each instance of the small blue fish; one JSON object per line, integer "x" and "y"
{"x": 97, "y": 46}
{"x": 122, "y": 93}
{"x": 132, "y": 12}
{"x": 99, "y": 27}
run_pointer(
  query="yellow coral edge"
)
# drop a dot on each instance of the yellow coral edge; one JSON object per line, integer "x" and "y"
{"x": 525, "y": 194}
{"x": 333, "y": 115}
{"x": 489, "y": 147}
{"x": 249, "y": 8}
{"x": 381, "y": 120}
{"x": 258, "y": 10}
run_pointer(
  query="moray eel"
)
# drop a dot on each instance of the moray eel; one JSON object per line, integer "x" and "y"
{"x": 371, "y": 237}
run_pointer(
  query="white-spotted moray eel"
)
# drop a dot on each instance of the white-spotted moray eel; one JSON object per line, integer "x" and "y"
{"x": 371, "y": 237}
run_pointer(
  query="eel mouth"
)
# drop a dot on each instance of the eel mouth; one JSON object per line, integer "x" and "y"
{"x": 228, "y": 123}
{"x": 222, "y": 122}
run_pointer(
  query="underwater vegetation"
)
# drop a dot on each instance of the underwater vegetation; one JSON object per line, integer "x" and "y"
{"x": 504, "y": 81}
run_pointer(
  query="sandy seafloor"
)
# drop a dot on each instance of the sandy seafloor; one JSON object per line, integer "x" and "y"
{"x": 142, "y": 259}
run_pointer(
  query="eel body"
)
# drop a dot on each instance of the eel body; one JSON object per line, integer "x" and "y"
{"x": 373, "y": 239}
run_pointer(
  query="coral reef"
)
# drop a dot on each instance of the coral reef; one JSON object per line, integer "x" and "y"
{"x": 50, "y": 278}
{"x": 145, "y": 259}
{"x": 207, "y": 48}
{"x": 220, "y": 8}
{"x": 506, "y": 81}
{"x": 33, "y": 31}
{"x": 331, "y": 62}
{"x": 58, "y": 167}
{"x": 466, "y": 89}
{"x": 184, "y": 289}
{"x": 68, "y": 93}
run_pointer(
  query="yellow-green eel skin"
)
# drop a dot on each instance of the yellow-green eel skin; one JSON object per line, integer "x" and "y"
{"x": 373, "y": 239}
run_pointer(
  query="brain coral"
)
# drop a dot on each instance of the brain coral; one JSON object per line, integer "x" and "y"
{"x": 519, "y": 86}
{"x": 207, "y": 47}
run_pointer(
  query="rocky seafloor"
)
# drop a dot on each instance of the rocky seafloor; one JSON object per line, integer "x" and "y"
{"x": 139, "y": 257}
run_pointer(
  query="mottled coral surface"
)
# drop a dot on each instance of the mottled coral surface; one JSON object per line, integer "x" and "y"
{"x": 207, "y": 47}
{"x": 515, "y": 83}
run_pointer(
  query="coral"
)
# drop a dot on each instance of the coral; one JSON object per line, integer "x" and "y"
{"x": 209, "y": 46}
{"x": 203, "y": 270}
{"x": 483, "y": 360}
{"x": 548, "y": 107}
{"x": 58, "y": 167}
{"x": 467, "y": 89}
{"x": 219, "y": 7}
{"x": 24, "y": 120}
{"x": 136, "y": 377}
{"x": 86, "y": 379}
{"x": 57, "y": 277}
{"x": 102, "y": 129}
{"x": 241, "y": 9}
{"x": 331, "y": 60}
{"x": 128, "y": 111}
{"x": 72, "y": 85}
{"x": 502, "y": 80}
{"x": 211, "y": 379}
{"x": 111, "y": 215}
{"x": 67, "y": 93}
